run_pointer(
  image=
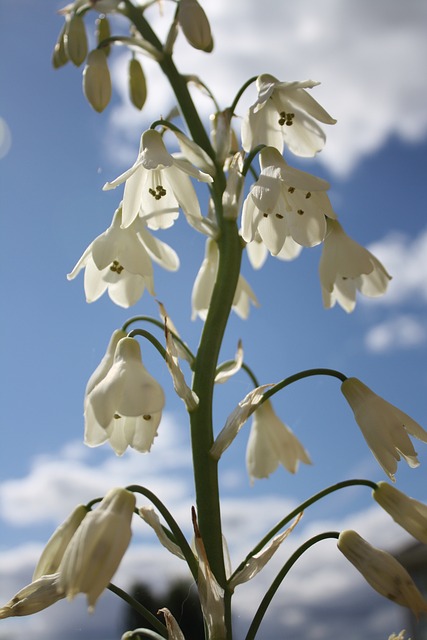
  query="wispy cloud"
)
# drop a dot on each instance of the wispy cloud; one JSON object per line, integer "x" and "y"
{"x": 368, "y": 56}
{"x": 403, "y": 332}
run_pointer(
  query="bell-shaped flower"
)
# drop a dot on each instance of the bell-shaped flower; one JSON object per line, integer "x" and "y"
{"x": 271, "y": 442}
{"x": 97, "y": 548}
{"x": 54, "y": 550}
{"x": 33, "y": 598}
{"x": 346, "y": 267}
{"x": 285, "y": 202}
{"x": 384, "y": 426}
{"x": 120, "y": 261}
{"x": 382, "y": 571}
{"x": 158, "y": 184}
{"x": 126, "y": 405}
{"x": 407, "y": 512}
{"x": 205, "y": 282}
{"x": 195, "y": 25}
{"x": 285, "y": 113}
{"x": 258, "y": 251}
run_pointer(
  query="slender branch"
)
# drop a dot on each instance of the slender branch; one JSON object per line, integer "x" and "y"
{"x": 149, "y": 336}
{"x": 180, "y": 539}
{"x": 253, "y": 629}
{"x": 299, "y": 376}
{"x": 161, "y": 325}
{"x": 143, "y": 611}
{"x": 241, "y": 92}
{"x": 299, "y": 509}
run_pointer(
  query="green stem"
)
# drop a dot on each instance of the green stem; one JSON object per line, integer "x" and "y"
{"x": 180, "y": 539}
{"x": 176, "y": 80}
{"x": 253, "y": 629}
{"x": 143, "y": 611}
{"x": 149, "y": 336}
{"x": 304, "y": 505}
{"x": 160, "y": 325}
{"x": 299, "y": 376}
{"x": 205, "y": 468}
{"x": 241, "y": 92}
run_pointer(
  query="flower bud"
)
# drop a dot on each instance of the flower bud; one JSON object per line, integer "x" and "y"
{"x": 33, "y": 598}
{"x": 103, "y": 32}
{"x": 137, "y": 84}
{"x": 96, "y": 80}
{"x": 75, "y": 40}
{"x": 383, "y": 572}
{"x": 97, "y": 548}
{"x": 195, "y": 25}
{"x": 60, "y": 56}
{"x": 54, "y": 550}
{"x": 407, "y": 512}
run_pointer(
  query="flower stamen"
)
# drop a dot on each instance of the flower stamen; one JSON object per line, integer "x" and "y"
{"x": 158, "y": 192}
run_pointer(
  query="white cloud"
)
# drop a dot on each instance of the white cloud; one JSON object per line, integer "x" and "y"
{"x": 402, "y": 332}
{"x": 406, "y": 261}
{"x": 368, "y": 55}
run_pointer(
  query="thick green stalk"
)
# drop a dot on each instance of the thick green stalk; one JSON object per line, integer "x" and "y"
{"x": 205, "y": 468}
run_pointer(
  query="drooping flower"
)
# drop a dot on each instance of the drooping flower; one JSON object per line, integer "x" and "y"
{"x": 407, "y": 512}
{"x": 204, "y": 285}
{"x": 384, "y": 426}
{"x": 97, "y": 548}
{"x": 271, "y": 442}
{"x": 258, "y": 251}
{"x": 158, "y": 184}
{"x": 285, "y": 202}
{"x": 123, "y": 401}
{"x": 54, "y": 550}
{"x": 382, "y": 571}
{"x": 36, "y": 596}
{"x": 285, "y": 113}
{"x": 119, "y": 261}
{"x": 346, "y": 267}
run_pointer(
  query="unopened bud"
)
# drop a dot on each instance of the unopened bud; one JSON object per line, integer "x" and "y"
{"x": 75, "y": 40}
{"x": 96, "y": 80}
{"x": 195, "y": 25}
{"x": 60, "y": 56}
{"x": 103, "y": 32}
{"x": 137, "y": 84}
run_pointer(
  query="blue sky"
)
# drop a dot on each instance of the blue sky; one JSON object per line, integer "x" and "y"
{"x": 369, "y": 58}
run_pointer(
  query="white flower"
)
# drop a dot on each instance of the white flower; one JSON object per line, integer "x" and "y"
{"x": 384, "y": 426}
{"x": 120, "y": 261}
{"x": 346, "y": 267}
{"x": 204, "y": 285}
{"x": 285, "y": 202}
{"x": 97, "y": 548}
{"x": 157, "y": 184}
{"x": 285, "y": 113}
{"x": 258, "y": 251}
{"x": 55, "y": 548}
{"x": 272, "y": 442}
{"x": 35, "y": 597}
{"x": 407, "y": 512}
{"x": 123, "y": 401}
{"x": 383, "y": 572}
